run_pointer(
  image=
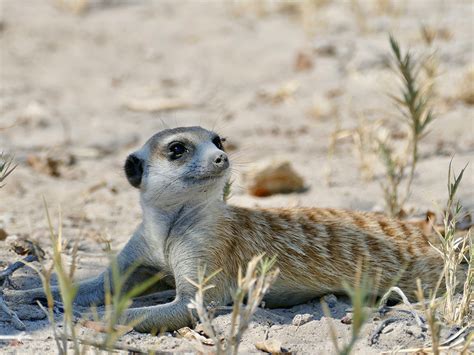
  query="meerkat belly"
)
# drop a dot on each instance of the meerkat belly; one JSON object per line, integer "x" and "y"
{"x": 282, "y": 295}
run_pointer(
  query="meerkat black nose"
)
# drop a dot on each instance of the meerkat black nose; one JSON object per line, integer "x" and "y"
{"x": 221, "y": 161}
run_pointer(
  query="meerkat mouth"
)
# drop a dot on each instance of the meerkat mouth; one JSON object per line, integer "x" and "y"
{"x": 204, "y": 178}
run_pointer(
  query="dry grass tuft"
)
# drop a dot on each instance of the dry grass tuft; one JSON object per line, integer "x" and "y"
{"x": 7, "y": 166}
{"x": 454, "y": 310}
{"x": 456, "y": 250}
{"x": 252, "y": 287}
{"x": 116, "y": 303}
{"x": 362, "y": 301}
{"x": 416, "y": 112}
{"x": 66, "y": 285}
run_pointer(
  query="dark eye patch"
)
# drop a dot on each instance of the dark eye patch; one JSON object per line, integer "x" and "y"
{"x": 176, "y": 150}
{"x": 218, "y": 142}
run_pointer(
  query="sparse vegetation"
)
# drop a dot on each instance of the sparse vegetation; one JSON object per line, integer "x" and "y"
{"x": 116, "y": 303}
{"x": 7, "y": 166}
{"x": 252, "y": 286}
{"x": 457, "y": 251}
{"x": 416, "y": 111}
{"x": 362, "y": 300}
{"x": 66, "y": 285}
{"x": 451, "y": 309}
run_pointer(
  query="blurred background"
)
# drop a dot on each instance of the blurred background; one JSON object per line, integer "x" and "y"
{"x": 85, "y": 82}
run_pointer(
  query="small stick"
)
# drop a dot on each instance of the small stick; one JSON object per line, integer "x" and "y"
{"x": 17, "y": 323}
{"x": 398, "y": 291}
{"x": 378, "y": 330}
{"x": 15, "y": 266}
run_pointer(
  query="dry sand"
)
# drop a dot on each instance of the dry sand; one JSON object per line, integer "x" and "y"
{"x": 87, "y": 89}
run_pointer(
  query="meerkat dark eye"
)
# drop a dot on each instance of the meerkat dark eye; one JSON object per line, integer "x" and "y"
{"x": 218, "y": 142}
{"x": 176, "y": 150}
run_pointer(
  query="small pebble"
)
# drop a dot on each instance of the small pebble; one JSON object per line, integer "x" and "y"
{"x": 347, "y": 319}
{"x": 301, "y": 319}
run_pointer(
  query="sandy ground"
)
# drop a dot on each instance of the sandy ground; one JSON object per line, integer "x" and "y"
{"x": 79, "y": 88}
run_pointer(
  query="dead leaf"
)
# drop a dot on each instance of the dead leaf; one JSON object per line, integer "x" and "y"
{"x": 157, "y": 104}
{"x": 271, "y": 346}
{"x": 101, "y": 327}
{"x": 190, "y": 334}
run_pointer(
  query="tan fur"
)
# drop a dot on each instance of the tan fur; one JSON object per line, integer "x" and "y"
{"x": 319, "y": 249}
{"x": 186, "y": 223}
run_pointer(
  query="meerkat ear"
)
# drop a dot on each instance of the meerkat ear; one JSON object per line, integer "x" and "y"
{"x": 134, "y": 170}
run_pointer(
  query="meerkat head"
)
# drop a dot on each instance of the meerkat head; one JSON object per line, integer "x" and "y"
{"x": 179, "y": 164}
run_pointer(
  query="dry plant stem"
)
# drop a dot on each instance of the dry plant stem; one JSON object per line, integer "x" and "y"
{"x": 380, "y": 328}
{"x": 359, "y": 295}
{"x": 455, "y": 337}
{"x": 397, "y": 290}
{"x": 414, "y": 106}
{"x": 197, "y": 303}
{"x": 118, "y": 301}
{"x": 65, "y": 280}
{"x": 17, "y": 323}
{"x": 50, "y": 314}
{"x": 332, "y": 330}
{"x": 258, "y": 279}
{"x": 254, "y": 285}
{"x": 430, "y": 312}
{"x": 453, "y": 251}
{"x": 6, "y": 166}
{"x": 418, "y": 115}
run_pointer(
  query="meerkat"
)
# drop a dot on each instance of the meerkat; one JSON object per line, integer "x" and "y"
{"x": 180, "y": 174}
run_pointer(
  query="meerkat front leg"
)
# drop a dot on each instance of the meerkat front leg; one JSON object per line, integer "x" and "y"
{"x": 92, "y": 291}
{"x": 176, "y": 314}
